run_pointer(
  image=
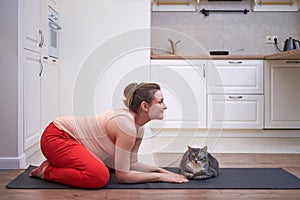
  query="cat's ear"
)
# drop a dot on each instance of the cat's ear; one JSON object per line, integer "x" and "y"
{"x": 205, "y": 148}
{"x": 189, "y": 148}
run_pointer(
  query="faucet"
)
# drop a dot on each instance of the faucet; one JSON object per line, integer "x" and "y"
{"x": 173, "y": 45}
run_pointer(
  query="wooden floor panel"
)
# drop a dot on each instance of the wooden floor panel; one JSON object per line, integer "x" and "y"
{"x": 290, "y": 162}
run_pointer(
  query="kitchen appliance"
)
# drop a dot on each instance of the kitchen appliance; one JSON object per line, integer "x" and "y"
{"x": 219, "y": 53}
{"x": 54, "y": 27}
{"x": 289, "y": 44}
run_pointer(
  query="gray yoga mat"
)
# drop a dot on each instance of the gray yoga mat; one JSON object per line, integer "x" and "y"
{"x": 229, "y": 178}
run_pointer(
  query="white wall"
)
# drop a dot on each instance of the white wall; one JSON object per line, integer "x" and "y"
{"x": 11, "y": 149}
{"x": 87, "y": 27}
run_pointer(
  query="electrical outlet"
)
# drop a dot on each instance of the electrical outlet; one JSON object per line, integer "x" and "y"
{"x": 270, "y": 39}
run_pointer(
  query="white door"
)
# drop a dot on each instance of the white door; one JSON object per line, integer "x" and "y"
{"x": 282, "y": 93}
{"x": 31, "y": 24}
{"x": 184, "y": 91}
{"x": 49, "y": 92}
{"x": 32, "y": 105}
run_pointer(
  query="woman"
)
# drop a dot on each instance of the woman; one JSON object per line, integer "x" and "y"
{"x": 79, "y": 150}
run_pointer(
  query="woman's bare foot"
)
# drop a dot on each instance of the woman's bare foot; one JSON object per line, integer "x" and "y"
{"x": 39, "y": 172}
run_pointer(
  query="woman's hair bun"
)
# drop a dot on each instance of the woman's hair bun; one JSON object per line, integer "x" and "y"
{"x": 128, "y": 93}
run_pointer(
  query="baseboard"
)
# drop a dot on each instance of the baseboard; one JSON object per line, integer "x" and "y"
{"x": 221, "y": 133}
{"x": 13, "y": 162}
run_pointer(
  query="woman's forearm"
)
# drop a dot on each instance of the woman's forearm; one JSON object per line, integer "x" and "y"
{"x": 138, "y": 166}
{"x": 137, "y": 177}
{"x": 141, "y": 177}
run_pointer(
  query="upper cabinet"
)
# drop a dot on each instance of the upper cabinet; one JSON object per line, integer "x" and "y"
{"x": 33, "y": 35}
{"x": 275, "y": 5}
{"x": 175, "y": 5}
{"x": 54, "y": 4}
{"x": 35, "y": 25}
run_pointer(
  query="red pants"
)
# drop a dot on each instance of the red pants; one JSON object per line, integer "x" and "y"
{"x": 70, "y": 162}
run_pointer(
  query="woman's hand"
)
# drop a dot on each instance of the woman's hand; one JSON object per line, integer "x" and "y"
{"x": 173, "y": 178}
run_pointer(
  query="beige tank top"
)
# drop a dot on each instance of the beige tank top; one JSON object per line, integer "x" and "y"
{"x": 92, "y": 132}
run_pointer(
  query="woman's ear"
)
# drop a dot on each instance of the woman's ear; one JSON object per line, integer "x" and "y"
{"x": 145, "y": 106}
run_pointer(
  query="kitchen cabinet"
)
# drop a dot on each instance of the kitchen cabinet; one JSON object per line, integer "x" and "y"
{"x": 184, "y": 90}
{"x": 41, "y": 95}
{"x": 32, "y": 103}
{"x": 54, "y": 4}
{"x": 177, "y": 5}
{"x": 32, "y": 35}
{"x": 36, "y": 70}
{"x": 49, "y": 91}
{"x": 235, "y": 77}
{"x": 235, "y": 94}
{"x": 282, "y": 109}
{"x": 35, "y": 24}
{"x": 235, "y": 111}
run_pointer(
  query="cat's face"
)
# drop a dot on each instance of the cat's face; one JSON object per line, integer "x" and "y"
{"x": 198, "y": 156}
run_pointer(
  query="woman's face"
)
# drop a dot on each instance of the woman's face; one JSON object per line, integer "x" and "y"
{"x": 156, "y": 110}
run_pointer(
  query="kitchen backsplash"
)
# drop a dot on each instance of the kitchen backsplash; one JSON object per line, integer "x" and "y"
{"x": 236, "y": 32}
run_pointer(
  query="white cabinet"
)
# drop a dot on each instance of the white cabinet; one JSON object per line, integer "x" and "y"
{"x": 54, "y": 4}
{"x": 35, "y": 24}
{"x": 40, "y": 75}
{"x": 235, "y": 76}
{"x": 235, "y": 94}
{"x": 282, "y": 92}
{"x": 235, "y": 111}
{"x": 184, "y": 89}
{"x": 31, "y": 24}
{"x": 49, "y": 91}
{"x": 32, "y": 103}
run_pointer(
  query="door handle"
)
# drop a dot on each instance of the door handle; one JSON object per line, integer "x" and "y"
{"x": 235, "y": 97}
{"x": 235, "y": 62}
{"x": 41, "y": 67}
{"x": 292, "y": 61}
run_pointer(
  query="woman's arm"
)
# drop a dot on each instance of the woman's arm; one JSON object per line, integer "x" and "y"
{"x": 138, "y": 166}
{"x": 124, "y": 145}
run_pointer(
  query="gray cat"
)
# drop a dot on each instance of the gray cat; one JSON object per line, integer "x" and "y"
{"x": 197, "y": 163}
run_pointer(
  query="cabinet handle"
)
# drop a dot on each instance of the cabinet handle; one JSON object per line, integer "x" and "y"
{"x": 292, "y": 61}
{"x": 203, "y": 71}
{"x": 235, "y": 62}
{"x": 41, "y": 67}
{"x": 235, "y": 97}
{"x": 42, "y": 38}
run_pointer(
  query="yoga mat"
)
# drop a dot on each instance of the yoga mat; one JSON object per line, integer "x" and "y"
{"x": 229, "y": 178}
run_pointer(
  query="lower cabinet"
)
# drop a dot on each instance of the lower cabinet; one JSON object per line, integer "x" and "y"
{"x": 41, "y": 95}
{"x": 235, "y": 111}
{"x": 32, "y": 98}
{"x": 184, "y": 89}
{"x": 282, "y": 110}
{"x": 235, "y": 94}
{"x": 49, "y": 92}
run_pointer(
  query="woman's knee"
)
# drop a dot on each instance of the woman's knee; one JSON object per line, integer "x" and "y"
{"x": 99, "y": 177}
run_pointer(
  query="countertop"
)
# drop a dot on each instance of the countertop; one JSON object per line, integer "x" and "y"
{"x": 287, "y": 55}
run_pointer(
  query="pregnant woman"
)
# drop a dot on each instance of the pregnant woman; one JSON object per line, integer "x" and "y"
{"x": 81, "y": 151}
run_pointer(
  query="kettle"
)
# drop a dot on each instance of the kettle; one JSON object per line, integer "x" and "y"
{"x": 289, "y": 44}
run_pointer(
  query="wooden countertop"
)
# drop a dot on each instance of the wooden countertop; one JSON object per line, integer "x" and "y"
{"x": 287, "y": 55}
